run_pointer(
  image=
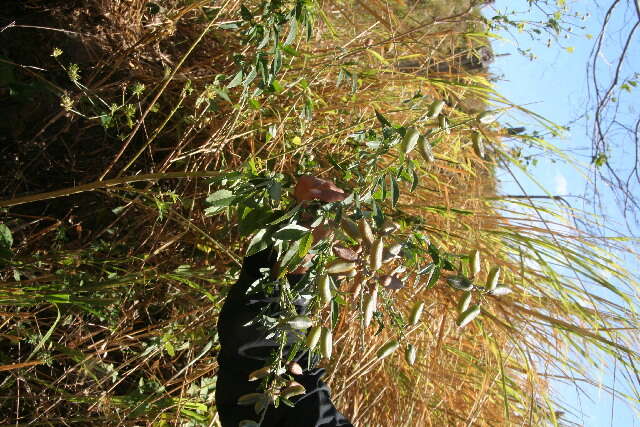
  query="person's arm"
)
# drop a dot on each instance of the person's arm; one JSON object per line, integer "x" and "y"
{"x": 244, "y": 347}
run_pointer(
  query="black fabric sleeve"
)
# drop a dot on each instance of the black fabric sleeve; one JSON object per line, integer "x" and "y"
{"x": 244, "y": 348}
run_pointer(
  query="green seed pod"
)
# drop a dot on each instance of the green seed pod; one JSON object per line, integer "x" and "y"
{"x": 260, "y": 405}
{"x": 365, "y": 231}
{"x": 492, "y": 278}
{"x": 326, "y": 343}
{"x": 435, "y": 109}
{"x": 410, "y": 140}
{"x": 300, "y": 322}
{"x": 416, "y": 313}
{"x": 424, "y": 146}
{"x": 323, "y": 285}
{"x": 410, "y": 355}
{"x": 474, "y": 262}
{"x": 248, "y": 423}
{"x": 478, "y": 145}
{"x": 250, "y": 399}
{"x": 313, "y": 337}
{"x": 351, "y": 229}
{"x": 500, "y": 290}
{"x": 464, "y": 302}
{"x": 387, "y": 349}
{"x": 339, "y": 266}
{"x": 259, "y": 373}
{"x": 375, "y": 257}
{"x": 487, "y": 117}
{"x": 293, "y": 389}
{"x": 370, "y": 306}
{"x": 468, "y": 315}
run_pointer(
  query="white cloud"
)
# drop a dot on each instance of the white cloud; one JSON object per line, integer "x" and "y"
{"x": 561, "y": 185}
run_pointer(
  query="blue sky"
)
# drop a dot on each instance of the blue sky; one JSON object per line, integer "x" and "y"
{"x": 555, "y": 86}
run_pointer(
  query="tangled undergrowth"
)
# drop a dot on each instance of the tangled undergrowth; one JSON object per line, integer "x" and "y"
{"x": 147, "y": 144}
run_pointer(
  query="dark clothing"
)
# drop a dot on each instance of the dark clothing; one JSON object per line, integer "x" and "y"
{"x": 244, "y": 348}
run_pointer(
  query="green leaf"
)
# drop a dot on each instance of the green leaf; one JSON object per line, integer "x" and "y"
{"x": 305, "y": 245}
{"x": 293, "y": 31}
{"x": 382, "y": 119}
{"x": 245, "y": 13}
{"x": 237, "y": 79}
{"x": 275, "y": 191}
{"x": 395, "y": 191}
{"x": 290, "y": 232}
{"x": 254, "y": 219}
{"x": 258, "y": 243}
{"x": 415, "y": 181}
{"x": 6, "y": 239}
{"x": 290, "y": 258}
{"x": 218, "y": 201}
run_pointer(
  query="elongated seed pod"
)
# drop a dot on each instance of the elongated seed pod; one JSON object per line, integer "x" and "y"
{"x": 387, "y": 349}
{"x": 351, "y": 229}
{"x": 346, "y": 254}
{"x": 409, "y": 140}
{"x": 478, "y": 144}
{"x": 260, "y": 405}
{"x": 370, "y": 306}
{"x": 487, "y": 117}
{"x": 410, "y": 355}
{"x": 395, "y": 249}
{"x": 300, "y": 322}
{"x": 416, "y": 313}
{"x": 385, "y": 280}
{"x": 390, "y": 227}
{"x": 313, "y": 337}
{"x": 326, "y": 343}
{"x": 500, "y": 290}
{"x": 492, "y": 278}
{"x": 323, "y": 284}
{"x": 250, "y": 398}
{"x": 352, "y": 273}
{"x": 395, "y": 283}
{"x": 468, "y": 315}
{"x": 460, "y": 283}
{"x": 474, "y": 262}
{"x": 375, "y": 257}
{"x": 424, "y": 147}
{"x": 294, "y": 368}
{"x": 248, "y": 423}
{"x": 464, "y": 302}
{"x": 293, "y": 389}
{"x": 339, "y": 266}
{"x": 365, "y": 231}
{"x": 259, "y": 373}
{"x": 388, "y": 257}
{"x": 435, "y": 109}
